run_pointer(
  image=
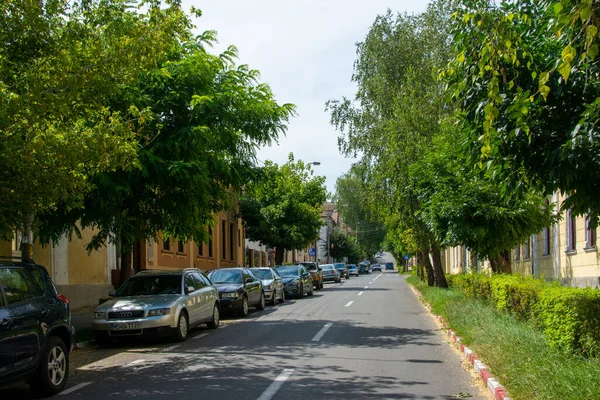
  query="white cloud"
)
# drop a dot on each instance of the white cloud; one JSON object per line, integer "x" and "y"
{"x": 305, "y": 50}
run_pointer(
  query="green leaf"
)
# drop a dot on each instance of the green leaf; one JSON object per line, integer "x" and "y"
{"x": 558, "y": 7}
{"x": 565, "y": 70}
{"x": 585, "y": 13}
{"x": 544, "y": 90}
{"x": 568, "y": 54}
{"x": 461, "y": 58}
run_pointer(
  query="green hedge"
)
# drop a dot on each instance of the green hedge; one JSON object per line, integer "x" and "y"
{"x": 569, "y": 317}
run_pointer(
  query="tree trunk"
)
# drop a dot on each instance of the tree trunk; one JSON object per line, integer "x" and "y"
{"x": 137, "y": 260}
{"x": 125, "y": 267}
{"x": 421, "y": 267}
{"x": 501, "y": 263}
{"x": 279, "y": 251}
{"x": 438, "y": 270}
{"x": 26, "y": 246}
{"x": 428, "y": 268}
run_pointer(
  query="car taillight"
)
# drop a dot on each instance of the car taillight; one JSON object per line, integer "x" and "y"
{"x": 62, "y": 298}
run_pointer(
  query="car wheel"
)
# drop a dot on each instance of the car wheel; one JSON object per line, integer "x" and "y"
{"x": 322, "y": 283}
{"x": 273, "y": 298}
{"x": 261, "y": 303}
{"x": 312, "y": 291}
{"x": 102, "y": 338}
{"x": 244, "y": 309}
{"x": 216, "y": 318}
{"x": 183, "y": 327}
{"x": 283, "y": 296}
{"x": 301, "y": 292}
{"x": 53, "y": 369}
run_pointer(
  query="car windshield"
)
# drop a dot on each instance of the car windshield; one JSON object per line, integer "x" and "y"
{"x": 288, "y": 271}
{"x": 225, "y": 276}
{"x": 309, "y": 266}
{"x": 340, "y": 265}
{"x": 327, "y": 266}
{"x": 262, "y": 274}
{"x": 150, "y": 285}
{"x": 351, "y": 266}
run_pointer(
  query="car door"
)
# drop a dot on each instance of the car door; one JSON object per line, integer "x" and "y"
{"x": 22, "y": 318}
{"x": 206, "y": 299}
{"x": 193, "y": 301}
{"x": 277, "y": 281}
{"x": 252, "y": 287}
{"x": 306, "y": 279}
{"x": 7, "y": 355}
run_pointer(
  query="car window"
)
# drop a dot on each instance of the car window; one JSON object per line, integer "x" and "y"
{"x": 263, "y": 273}
{"x": 226, "y": 276}
{"x": 190, "y": 281}
{"x": 288, "y": 271}
{"x": 14, "y": 285}
{"x": 36, "y": 280}
{"x": 199, "y": 281}
{"x": 248, "y": 274}
{"x": 205, "y": 279}
{"x": 150, "y": 285}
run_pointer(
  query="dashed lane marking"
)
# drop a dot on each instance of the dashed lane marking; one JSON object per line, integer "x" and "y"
{"x": 277, "y": 383}
{"x": 74, "y": 388}
{"x": 360, "y": 293}
{"x": 320, "y": 334}
{"x": 349, "y": 304}
{"x": 201, "y": 336}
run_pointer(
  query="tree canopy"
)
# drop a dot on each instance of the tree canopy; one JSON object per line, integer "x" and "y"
{"x": 282, "y": 207}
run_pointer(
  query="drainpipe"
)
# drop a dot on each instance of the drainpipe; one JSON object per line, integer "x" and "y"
{"x": 556, "y": 230}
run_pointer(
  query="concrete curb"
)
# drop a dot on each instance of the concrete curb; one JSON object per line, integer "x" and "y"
{"x": 495, "y": 388}
{"x": 83, "y": 345}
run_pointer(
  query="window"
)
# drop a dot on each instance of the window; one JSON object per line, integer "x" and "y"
{"x": 167, "y": 244}
{"x": 36, "y": 282}
{"x": 190, "y": 282}
{"x": 223, "y": 240}
{"x": 527, "y": 249}
{"x": 14, "y": 285}
{"x": 590, "y": 233}
{"x": 517, "y": 253}
{"x": 200, "y": 283}
{"x": 546, "y": 241}
{"x": 571, "y": 228}
{"x": 210, "y": 242}
{"x": 231, "y": 238}
{"x": 239, "y": 238}
{"x": 200, "y": 249}
{"x": 180, "y": 246}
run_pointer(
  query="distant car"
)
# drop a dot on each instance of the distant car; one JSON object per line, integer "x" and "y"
{"x": 364, "y": 268}
{"x": 297, "y": 281}
{"x": 352, "y": 269}
{"x": 389, "y": 266}
{"x": 330, "y": 273}
{"x": 238, "y": 289}
{"x": 315, "y": 272}
{"x": 272, "y": 284}
{"x": 343, "y": 270}
{"x": 158, "y": 303}
{"x": 376, "y": 267}
{"x": 36, "y": 334}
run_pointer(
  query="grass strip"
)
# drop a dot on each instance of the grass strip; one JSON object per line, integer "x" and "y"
{"x": 516, "y": 352}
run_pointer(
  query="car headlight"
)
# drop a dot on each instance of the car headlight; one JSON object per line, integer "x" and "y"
{"x": 229, "y": 295}
{"x": 267, "y": 287}
{"x": 99, "y": 315}
{"x": 158, "y": 312}
{"x": 292, "y": 283}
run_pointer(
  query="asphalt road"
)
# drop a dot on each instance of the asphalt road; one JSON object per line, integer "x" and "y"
{"x": 368, "y": 337}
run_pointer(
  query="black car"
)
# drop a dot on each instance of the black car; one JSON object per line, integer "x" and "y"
{"x": 297, "y": 281}
{"x": 36, "y": 334}
{"x": 364, "y": 268}
{"x": 238, "y": 290}
{"x": 315, "y": 272}
{"x": 343, "y": 270}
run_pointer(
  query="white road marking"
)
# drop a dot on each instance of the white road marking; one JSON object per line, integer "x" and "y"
{"x": 366, "y": 287}
{"x": 360, "y": 293}
{"x": 137, "y": 361}
{"x": 349, "y": 304}
{"x": 74, "y": 388}
{"x": 201, "y": 336}
{"x": 172, "y": 347}
{"x": 372, "y": 282}
{"x": 277, "y": 383}
{"x": 320, "y": 334}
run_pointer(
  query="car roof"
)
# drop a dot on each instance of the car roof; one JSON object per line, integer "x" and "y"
{"x": 165, "y": 272}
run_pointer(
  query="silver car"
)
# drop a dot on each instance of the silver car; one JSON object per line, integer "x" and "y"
{"x": 158, "y": 303}
{"x": 272, "y": 284}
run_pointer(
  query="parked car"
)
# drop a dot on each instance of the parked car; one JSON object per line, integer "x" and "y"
{"x": 352, "y": 269}
{"x": 315, "y": 272}
{"x": 389, "y": 266}
{"x": 297, "y": 281}
{"x": 330, "y": 273}
{"x": 376, "y": 267}
{"x": 158, "y": 303}
{"x": 343, "y": 270}
{"x": 36, "y": 333}
{"x": 238, "y": 289}
{"x": 272, "y": 284}
{"x": 364, "y": 268}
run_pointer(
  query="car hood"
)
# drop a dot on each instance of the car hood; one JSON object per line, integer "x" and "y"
{"x": 266, "y": 282}
{"x": 290, "y": 279}
{"x": 138, "y": 302}
{"x": 228, "y": 287}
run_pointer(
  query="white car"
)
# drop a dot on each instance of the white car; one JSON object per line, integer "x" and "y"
{"x": 158, "y": 303}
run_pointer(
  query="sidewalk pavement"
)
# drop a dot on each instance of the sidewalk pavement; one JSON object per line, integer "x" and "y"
{"x": 82, "y": 321}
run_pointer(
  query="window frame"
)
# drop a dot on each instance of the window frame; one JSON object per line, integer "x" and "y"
{"x": 546, "y": 241}
{"x": 571, "y": 232}
{"x": 180, "y": 247}
{"x": 591, "y": 238}
{"x": 166, "y": 245}
{"x": 527, "y": 249}
{"x": 210, "y": 242}
{"x": 518, "y": 253}
{"x": 25, "y": 279}
{"x": 224, "y": 239}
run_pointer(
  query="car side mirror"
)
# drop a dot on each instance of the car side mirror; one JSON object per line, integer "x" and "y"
{"x": 320, "y": 269}
{"x": 111, "y": 293}
{"x": 190, "y": 289}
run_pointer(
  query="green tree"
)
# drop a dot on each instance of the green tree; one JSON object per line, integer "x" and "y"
{"x": 282, "y": 208}
{"x": 342, "y": 245}
{"x": 61, "y": 63}
{"x": 525, "y": 74}
{"x": 195, "y": 153}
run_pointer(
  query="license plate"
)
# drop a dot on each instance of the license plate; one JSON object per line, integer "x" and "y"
{"x": 125, "y": 326}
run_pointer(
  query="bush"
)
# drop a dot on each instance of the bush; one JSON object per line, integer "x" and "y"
{"x": 569, "y": 317}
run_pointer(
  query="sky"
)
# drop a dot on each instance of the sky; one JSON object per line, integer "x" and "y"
{"x": 304, "y": 50}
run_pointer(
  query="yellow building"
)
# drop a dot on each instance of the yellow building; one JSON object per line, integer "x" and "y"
{"x": 85, "y": 278}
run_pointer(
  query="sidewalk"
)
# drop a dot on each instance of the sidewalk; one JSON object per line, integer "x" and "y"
{"x": 83, "y": 329}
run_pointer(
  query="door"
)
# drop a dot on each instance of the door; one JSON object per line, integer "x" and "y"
{"x": 205, "y": 295}
{"x": 193, "y": 300}
{"x": 6, "y": 354}
{"x": 252, "y": 287}
{"x": 22, "y": 318}
{"x": 306, "y": 279}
